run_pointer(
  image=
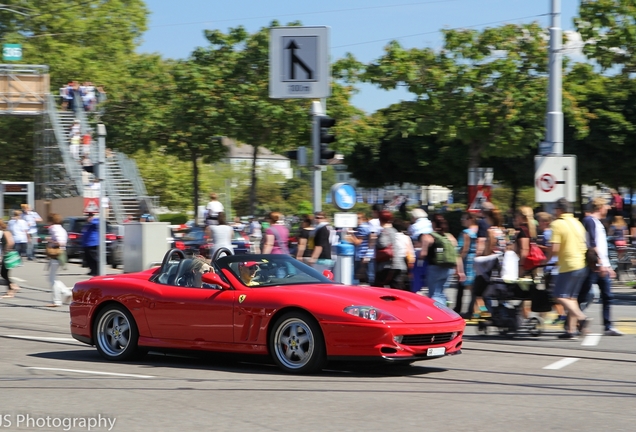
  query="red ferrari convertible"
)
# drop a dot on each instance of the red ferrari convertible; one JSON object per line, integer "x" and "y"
{"x": 258, "y": 304}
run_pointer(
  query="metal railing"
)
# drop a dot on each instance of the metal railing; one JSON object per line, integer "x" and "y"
{"x": 73, "y": 169}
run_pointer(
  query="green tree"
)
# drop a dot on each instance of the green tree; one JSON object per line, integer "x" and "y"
{"x": 86, "y": 40}
{"x": 609, "y": 29}
{"x": 167, "y": 177}
{"x": 484, "y": 89}
{"x": 77, "y": 39}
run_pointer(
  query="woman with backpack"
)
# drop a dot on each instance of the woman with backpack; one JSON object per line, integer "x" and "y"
{"x": 439, "y": 249}
{"x": 390, "y": 263}
{"x": 487, "y": 258}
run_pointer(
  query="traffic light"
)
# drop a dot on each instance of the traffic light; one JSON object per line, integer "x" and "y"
{"x": 326, "y": 138}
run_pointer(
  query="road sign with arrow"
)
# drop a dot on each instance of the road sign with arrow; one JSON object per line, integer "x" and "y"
{"x": 299, "y": 62}
{"x": 554, "y": 178}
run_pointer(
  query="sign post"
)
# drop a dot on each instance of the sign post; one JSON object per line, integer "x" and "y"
{"x": 12, "y": 52}
{"x": 479, "y": 187}
{"x": 299, "y": 68}
{"x": 101, "y": 157}
{"x": 299, "y": 62}
{"x": 554, "y": 178}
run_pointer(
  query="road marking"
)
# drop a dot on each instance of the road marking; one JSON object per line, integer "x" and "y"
{"x": 91, "y": 372}
{"x": 561, "y": 363}
{"x": 42, "y": 338}
{"x": 591, "y": 340}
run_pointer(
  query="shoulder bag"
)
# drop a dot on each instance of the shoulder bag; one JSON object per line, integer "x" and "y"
{"x": 11, "y": 259}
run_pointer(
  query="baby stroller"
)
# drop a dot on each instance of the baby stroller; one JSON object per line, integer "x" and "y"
{"x": 504, "y": 300}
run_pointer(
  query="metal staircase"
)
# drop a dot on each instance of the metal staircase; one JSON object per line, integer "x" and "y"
{"x": 64, "y": 176}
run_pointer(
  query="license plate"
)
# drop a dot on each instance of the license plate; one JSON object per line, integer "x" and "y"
{"x": 436, "y": 351}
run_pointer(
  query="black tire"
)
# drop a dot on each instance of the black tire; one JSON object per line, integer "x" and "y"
{"x": 115, "y": 333}
{"x": 296, "y": 343}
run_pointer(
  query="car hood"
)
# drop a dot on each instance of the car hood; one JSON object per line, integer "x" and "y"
{"x": 406, "y": 306}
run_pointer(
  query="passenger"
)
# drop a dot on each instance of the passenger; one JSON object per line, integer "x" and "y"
{"x": 199, "y": 267}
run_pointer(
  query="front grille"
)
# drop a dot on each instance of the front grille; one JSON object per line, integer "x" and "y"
{"x": 427, "y": 339}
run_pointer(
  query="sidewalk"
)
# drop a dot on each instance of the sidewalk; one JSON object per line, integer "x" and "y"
{"x": 35, "y": 274}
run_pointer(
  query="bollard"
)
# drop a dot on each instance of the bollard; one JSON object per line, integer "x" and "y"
{"x": 343, "y": 270}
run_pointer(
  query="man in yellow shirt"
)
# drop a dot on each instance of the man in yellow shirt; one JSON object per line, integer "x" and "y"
{"x": 569, "y": 246}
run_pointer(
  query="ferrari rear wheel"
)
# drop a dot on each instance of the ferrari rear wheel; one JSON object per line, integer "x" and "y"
{"x": 116, "y": 333}
{"x": 297, "y": 344}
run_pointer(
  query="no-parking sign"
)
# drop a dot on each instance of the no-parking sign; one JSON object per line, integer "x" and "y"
{"x": 554, "y": 178}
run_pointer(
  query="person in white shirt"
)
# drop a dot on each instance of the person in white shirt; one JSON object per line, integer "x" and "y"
{"x": 256, "y": 234}
{"x": 58, "y": 238}
{"x": 597, "y": 239}
{"x": 20, "y": 230}
{"x": 213, "y": 209}
{"x": 32, "y": 218}
{"x": 220, "y": 235}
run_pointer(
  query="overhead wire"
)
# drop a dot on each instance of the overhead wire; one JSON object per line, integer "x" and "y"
{"x": 268, "y": 16}
{"x": 437, "y": 31}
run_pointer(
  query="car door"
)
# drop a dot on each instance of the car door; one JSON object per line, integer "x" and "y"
{"x": 191, "y": 314}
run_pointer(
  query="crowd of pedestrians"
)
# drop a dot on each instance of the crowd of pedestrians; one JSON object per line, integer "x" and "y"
{"x": 86, "y": 94}
{"x": 421, "y": 255}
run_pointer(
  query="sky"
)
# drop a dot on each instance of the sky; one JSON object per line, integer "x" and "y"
{"x": 360, "y": 27}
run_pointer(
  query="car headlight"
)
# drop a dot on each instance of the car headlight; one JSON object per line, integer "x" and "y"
{"x": 370, "y": 313}
{"x": 446, "y": 309}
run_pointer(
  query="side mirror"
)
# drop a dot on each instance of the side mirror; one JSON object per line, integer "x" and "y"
{"x": 214, "y": 279}
{"x": 328, "y": 274}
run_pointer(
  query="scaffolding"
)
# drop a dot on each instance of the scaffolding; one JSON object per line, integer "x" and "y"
{"x": 23, "y": 89}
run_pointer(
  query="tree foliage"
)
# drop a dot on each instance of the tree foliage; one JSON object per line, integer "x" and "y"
{"x": 484, "y": 89}
{"x": 609, "y": 29}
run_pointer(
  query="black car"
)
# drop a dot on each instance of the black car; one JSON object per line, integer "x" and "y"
{"x": 73, "y": 226}
{"x": 195, "y": 242}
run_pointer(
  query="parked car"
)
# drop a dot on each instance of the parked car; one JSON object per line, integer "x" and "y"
{"x": 195, "y": 242}
{"x": 240, "y": 244}
{"x": 73, "y": 226}
{"x": 43, "y": 233}
{"x": 115, "y": 235}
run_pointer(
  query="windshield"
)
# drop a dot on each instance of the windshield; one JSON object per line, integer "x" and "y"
{"x": 270, "y": 270}
{"x": 195, "y": 234}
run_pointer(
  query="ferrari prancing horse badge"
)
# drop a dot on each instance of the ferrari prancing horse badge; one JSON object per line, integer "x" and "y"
{"x": 241, "y": 298}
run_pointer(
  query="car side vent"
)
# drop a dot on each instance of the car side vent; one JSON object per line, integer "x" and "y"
{"x": 389, "y": 298}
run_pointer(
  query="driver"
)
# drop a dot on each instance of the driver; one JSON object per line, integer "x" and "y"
{"x": 248, "y": 272}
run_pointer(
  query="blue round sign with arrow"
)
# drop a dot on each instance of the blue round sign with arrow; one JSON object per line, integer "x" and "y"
{"x": 344, "y": 196}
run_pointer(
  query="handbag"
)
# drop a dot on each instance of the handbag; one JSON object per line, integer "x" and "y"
{"x": 385, "y": 254}
{"x": 535, "y": 257}
{"x": 592, "y": 260}
{"x": 53, "y": 250}
{"x": 11, "y": 259}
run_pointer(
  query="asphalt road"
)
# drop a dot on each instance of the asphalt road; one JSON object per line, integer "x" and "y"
{"x": 497, "y": 384}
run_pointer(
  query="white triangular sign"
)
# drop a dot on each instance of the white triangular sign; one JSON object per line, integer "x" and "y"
{"x": 479, "y": 198}
{"x": 91, "y": 207}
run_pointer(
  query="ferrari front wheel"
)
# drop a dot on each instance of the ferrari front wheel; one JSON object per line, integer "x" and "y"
{"x": 116, "y": 333}
{"x": 297, "y": 344}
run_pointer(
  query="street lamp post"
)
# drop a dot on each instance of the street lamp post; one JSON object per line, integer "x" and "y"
{"x": 101, "y": 168}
